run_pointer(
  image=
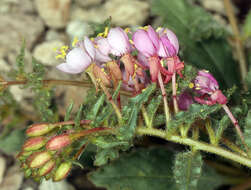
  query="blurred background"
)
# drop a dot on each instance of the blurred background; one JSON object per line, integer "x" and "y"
{"x": 49, "y": 24}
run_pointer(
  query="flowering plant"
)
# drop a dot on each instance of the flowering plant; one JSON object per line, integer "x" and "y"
{"x": 138, "y": 86}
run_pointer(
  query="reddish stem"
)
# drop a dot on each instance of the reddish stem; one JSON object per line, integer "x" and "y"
{"x": 175, "y": 103}
{"x": 89, "y": 131}
{"x": 237, "y": 127}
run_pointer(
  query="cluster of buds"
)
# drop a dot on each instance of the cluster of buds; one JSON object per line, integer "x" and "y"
{"x": 47, "y": 154}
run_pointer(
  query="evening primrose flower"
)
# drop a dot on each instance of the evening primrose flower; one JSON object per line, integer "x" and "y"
{"x": 79, "y": 58}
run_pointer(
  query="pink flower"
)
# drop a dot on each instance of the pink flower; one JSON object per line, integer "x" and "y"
{"x": 207, "y": 86}
{"x": 146, "y": 42}
{"x": 205, "y": 83}
{"x": 169, "y": 44}
{"x": 119, "y": 41}
{"x": 79, "y": 58}
{"x": 103, "y": 49}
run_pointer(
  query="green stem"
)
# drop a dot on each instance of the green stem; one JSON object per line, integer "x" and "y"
{"x": 196, "y": 144}
{"x": 146, "y": 118}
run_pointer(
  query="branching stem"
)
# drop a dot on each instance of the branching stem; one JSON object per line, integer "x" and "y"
{"x": 196, "y": 145}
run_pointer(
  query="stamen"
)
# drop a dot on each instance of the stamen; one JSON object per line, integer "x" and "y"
{"x": 75, "y": 41}
{"x": 191, "y": 85}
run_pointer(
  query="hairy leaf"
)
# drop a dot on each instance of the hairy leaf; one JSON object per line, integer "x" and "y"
{"x": 187, "y": 170}
{"x": 153, "y": 107}
{"x": 104, "y": 155}
{"x": 201, "y": 41}
{"x": 144, "y": 169}
{"x": 130, "y": 112}
{"x": 68, "y": 111}
{"x": 195, "y": 111}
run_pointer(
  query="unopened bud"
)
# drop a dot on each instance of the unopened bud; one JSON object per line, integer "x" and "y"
{"x": 47, "y": 168}
{"x": 101, "y": 75}
{"x": 27, "y": 173}
{"x": 39, "y": 129}
{"x": 114, "y": 70}
{"x": 23, "y": 155}
{"x": 34, "y": 143}
{"x": 62, "y": 171}
{"x": 58, "y": 142}
{"x": 38, "y": 159}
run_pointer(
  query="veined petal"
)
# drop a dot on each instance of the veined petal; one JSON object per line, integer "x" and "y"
{"x": 77, "y": 60}
{"x": 102, "y": 45}
{"x": 153, "y": 36}
{"x": 173, "y": 39}
{"x": 67, "y": 69}
{"x": 119, "y": 41}
{"x": 89, "y": 47}
{"x": 143, "y": 43}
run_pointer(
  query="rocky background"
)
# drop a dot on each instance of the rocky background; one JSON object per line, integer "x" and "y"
{"x": 49, "y": 24}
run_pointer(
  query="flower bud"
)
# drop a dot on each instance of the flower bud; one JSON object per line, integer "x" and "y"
{"x": 58, "y": 142}
{"x": 47, "y": 168}
{"x": 114, "y": 70}
{"x": 39, "y": 129}
{"x": 27, "y": 173}
{"x": 38, "y": 159}
{"x": 23, "y": 155}
{"x": 62, "y": 171}
{"x": 34, "y": 143}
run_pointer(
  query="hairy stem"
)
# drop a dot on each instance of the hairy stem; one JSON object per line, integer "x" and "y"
{"x": 109, "y": 98}
{"x": 238, "y": 43}
{"x": 175, "y": 103}
{"x": 237, "y": 127}
{"x": 196, "y": 145}
{"x": 163, "y": 91}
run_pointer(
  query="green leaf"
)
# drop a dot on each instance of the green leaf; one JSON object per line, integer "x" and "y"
{"x": 209, "y": 180}
{"x": 96, "y": 107}
{"x": 68, "y": 111}
{"x": 20, "y": 60}
{"x": 247, "y": 26}
{"x": 144, "y": 169}
{"x": 104, "y": 155}
{"x": 187, "y": 170}
{"x": 195, "y": 111}
{"x": 13, "y": 142}
{"x": 203, "y": 49}
{"x": 247, "y": 129}
{"x": 130, "y": 112}
{"x": 153, "y": 107}
{"x": 78, "y": 116}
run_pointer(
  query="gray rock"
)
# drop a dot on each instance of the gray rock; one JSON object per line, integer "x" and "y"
{"x": 15, "y": 27}
{"x": 127, "y": 13}
{"x": 2, "y": 168}
{"x": 61, "y": 185}
{"x": 13, "y": 179}
{"x": 45, "y": 52}
{"x": 52, "y": 35}
{"x": 87, "y": 3}
{"x": 96, "y": 14}
{"x": 123, "y": 13}
{"x": 17, "y": 6}
{"x": 78, "y": 29}
{"x": 55, "y": 13}
{"x": 4, "y": 66}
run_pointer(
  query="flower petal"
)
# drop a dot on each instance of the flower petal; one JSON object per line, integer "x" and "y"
{"x": 143, "y": 43}
{"x": 67, "y": 69}
{"x": 89, "y": 47}
{"x": 119, "y": 41}
{"x": 153, "y": 36}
